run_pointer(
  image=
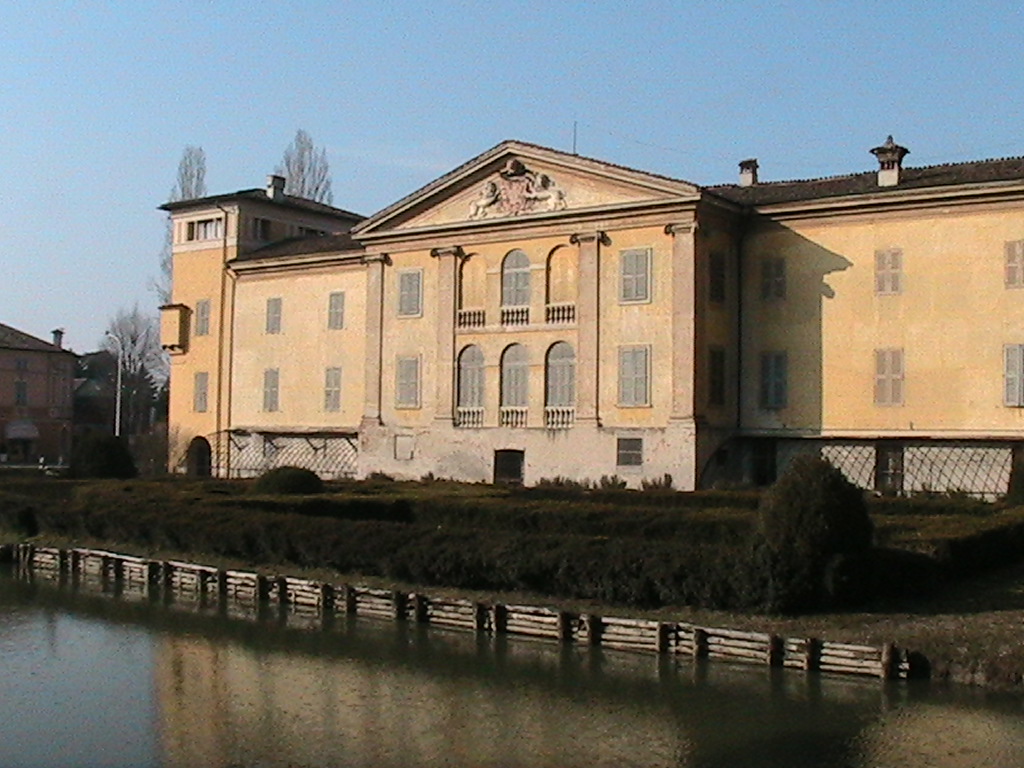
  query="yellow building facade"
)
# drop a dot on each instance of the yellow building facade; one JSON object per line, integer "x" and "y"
{"x": 534, "y": 314}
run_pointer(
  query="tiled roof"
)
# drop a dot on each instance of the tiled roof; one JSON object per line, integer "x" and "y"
{"x": 289, "y": 201}
{"x": 298, "y": 246}
{"x": 12, "y": 338}
{"x": 949, "y": 174}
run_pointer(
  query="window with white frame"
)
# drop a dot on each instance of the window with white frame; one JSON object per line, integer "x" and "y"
{"x": 332, "y": 389}
{"x": 410, "y": 293}
{"x": 336, "y": 311}
{"x": 204, "y": 229}
{"x": 560, "y": 389}
{"x": 515, "y": 280}
{"x": 888, "y": 377}
{"x": 271, "y": 381}
{"x": 260, "y": 228}
{"x": 515, "y": 375}
{"x": 471, "y": 378}
{"x": 629, "y": 452}
{"x": 634, "y": 376}
{"x": 1014, "y": 264}
{"x": 774, "y": 380}
{"x": 888, "y": 271}
{"x": 273, "y": 324}
{"x": 407, "y": 381}
{"x": 1013, "y": 375}
{"x": 635, "y": 275}
{"x": 773, "y": 278}
{"x": 202, "y": 317}
{"x": 200, "y": 391}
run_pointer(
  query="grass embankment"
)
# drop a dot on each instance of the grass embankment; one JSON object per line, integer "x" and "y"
{"x": 654, "y": 554}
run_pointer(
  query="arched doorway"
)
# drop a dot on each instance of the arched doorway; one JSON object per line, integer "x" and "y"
{"x": 199, "y": 459}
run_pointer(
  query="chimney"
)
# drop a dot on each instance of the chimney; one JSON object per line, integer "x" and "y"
{"x": 748, "y": 172}
{"x": 890, "y": 160}
{"x": 275, "y": 186}
{"x": 58, "y": 337}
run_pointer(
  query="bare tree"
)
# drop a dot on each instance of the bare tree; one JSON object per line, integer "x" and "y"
{"x": 306, "y": 171}
{"x": 190, "y": 184}
{"x": 133, "y": 338}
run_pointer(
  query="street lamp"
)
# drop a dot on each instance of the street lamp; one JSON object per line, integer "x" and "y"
{"x": 117, "y": 396}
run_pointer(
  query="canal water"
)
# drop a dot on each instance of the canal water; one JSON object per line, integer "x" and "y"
{"x": 93, "y": 680}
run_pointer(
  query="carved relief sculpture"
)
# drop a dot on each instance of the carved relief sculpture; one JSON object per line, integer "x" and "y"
{"x": 517, "y": 190}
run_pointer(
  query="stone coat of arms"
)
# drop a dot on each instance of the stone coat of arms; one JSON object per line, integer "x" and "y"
{"x": 515, "y": 191}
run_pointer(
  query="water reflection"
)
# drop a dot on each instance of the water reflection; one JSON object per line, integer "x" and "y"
{"x": 186, "y": 689}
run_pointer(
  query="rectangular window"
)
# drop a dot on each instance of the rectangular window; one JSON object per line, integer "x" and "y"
{"x": 888, "y": 377}
{"x": 889, "y": 467}
{"x": 200, "y": 390}
{"x": 261, "y": 229}
{"x": 716, "y": 376}
{"x": 634, "y": 370}
{"x": 332, "y": 390}
{"x": 410, "y": 293}
{"x": 773, "y": 278}
{"x": 716, "y": 277}
{"x": 888, "y": 271}
{"x": 407, "y": 382}
{"x": 336, "y": 311}
{"x": 1013, "y": 375}
{"x": 271, "y": 380}
{"x": 774, "y": 380}
{"x": 21, "y": 393}
{"x": 274, "y": 315}
{"x": 205, "y": 229}
{"x": 1014, "y": 274}
{"x": 629, "y": 452}
{"x": 635, "y": 283}
{"x": 203, "y": 317}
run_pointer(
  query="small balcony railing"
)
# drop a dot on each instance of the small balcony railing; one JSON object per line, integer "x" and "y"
{"x": 515, "y": 315}
{"x": 559, "y": 416}
{"x": 471, "y": 318}
{"x": 560, "y": 313}
{"x": 469, "y": 417}
{"x": 512, "y": 416}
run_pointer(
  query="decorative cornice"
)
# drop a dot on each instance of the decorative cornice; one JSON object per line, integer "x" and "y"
{"x": 588, "y": 237}
{"x": 451, "y": 250}
{"x": 375, "y": 258}
{"x": 683, "y": 228}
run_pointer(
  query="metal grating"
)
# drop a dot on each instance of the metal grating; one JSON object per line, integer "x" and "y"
{"x": 331, "y": 456}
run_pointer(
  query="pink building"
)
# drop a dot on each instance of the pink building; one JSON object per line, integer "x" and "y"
{"x": 35, "y": 398}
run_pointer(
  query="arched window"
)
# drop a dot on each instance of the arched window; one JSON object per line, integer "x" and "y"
{"x": 515, "y": 288}
{"x": 561, "y": 375}
{"x": 515, "y": 373}
{"x": 470, "y": 396}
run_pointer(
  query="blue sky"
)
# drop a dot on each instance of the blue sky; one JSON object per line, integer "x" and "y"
{"x": 97, "y": 101}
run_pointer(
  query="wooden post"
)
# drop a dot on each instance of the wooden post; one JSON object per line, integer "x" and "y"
{"x": 167, "y": 578}
{"x": 421, "y": 608}
{"x": 890, "y": 662}
{"x": 500, "y": 613}
{"x": 282, "y": 591}
{"x": 262, "y": 589}
{"x": 566, "y": 626}
{"x": 666, "y": 631}
{"x": 812, "y": 654}
{"x": 700, "y": 643}
{"x": 595, "y": 628}
{"x": 776, "y": 651}
{"x": 481, "y": 614}
{"x": 351, "y": 599}
{"x": 400, "y": 600}
{"x": 326, "y": 599}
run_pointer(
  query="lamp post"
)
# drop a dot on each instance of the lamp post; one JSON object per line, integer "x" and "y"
{"x": 117, "y": 395}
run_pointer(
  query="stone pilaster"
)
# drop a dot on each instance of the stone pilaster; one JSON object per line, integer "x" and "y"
{"x": 449, "y": 260}
{"x": 375, "y": 266}
{"x": 684, "y": 319}
{"x": 588, "y": 323}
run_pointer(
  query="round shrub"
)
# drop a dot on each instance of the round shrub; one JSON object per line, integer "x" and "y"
{"x": 285, "y": 480}
{"x": 100, "y": 455}
{"x": 811, "y": 515}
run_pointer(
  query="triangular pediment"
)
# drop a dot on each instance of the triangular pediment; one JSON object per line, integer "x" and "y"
{"x": 517, "y": 181}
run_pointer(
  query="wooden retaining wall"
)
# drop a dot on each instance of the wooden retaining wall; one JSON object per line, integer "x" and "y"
{"x": 313, "y": 603}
